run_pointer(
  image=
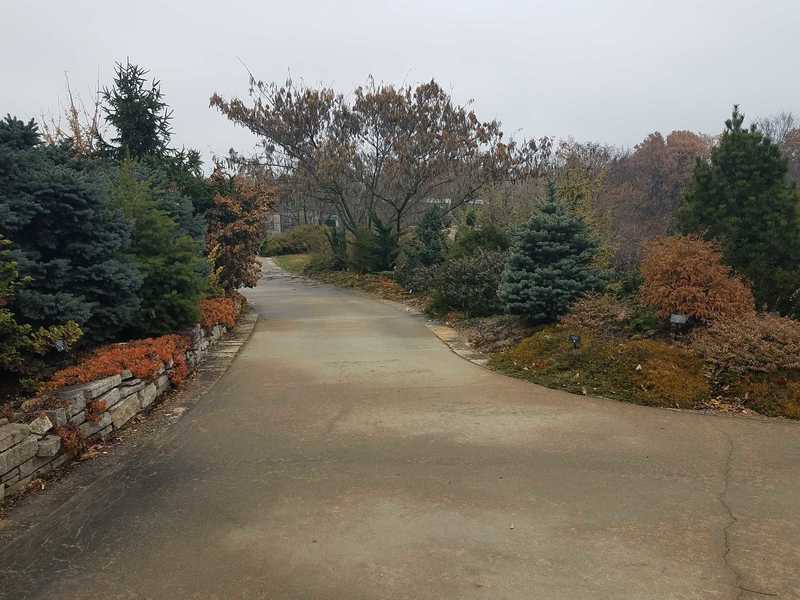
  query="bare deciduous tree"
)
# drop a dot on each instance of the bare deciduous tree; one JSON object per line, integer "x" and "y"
{"x": 385, "y": 153}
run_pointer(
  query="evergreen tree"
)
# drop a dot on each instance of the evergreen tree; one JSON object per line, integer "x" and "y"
{"x": 173, "y": 269}
{"x": 67, "y": 241}
{"x": 138, "y": 113}
{"x": 550, "y": 264}
{"x": 431, "y": 237}
{"x": 374, "y": 248}
{"x": 743, "y": 199}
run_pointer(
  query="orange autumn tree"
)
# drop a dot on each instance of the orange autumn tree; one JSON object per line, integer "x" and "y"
{"x": 237, "y": 223}
{"x": 686, "y": 275}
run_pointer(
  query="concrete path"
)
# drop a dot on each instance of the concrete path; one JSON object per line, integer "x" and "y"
{"x": 348, "y": 454}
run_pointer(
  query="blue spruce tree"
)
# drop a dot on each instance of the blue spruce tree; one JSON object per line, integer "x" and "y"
{"x": 550, "y": 264}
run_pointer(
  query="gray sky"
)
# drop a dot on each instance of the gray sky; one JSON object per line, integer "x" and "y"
{"x": 603, "y": 70}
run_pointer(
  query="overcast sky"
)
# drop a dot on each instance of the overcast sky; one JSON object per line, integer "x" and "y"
{"x": 600, "y": 70}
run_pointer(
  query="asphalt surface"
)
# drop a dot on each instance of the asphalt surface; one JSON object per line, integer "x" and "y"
{"x": 348, "y": 454}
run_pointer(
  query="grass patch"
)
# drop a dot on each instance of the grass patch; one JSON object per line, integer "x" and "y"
{"x": 645, "y": 371}
{"x": 294, "y": 263}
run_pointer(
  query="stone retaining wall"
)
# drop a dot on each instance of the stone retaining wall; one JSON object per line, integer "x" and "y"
{"x": 29, "y": 450}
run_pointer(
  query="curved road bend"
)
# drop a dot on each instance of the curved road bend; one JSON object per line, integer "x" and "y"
{"x": 347, "y": 454}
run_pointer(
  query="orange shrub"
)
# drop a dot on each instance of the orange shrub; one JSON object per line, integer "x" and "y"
{"x": 143, "y": 358}
{"x": 219, "y": 311}
{"x": 686, "y": 275}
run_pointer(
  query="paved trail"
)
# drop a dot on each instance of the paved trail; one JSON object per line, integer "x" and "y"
{"x": 347, "y": 454}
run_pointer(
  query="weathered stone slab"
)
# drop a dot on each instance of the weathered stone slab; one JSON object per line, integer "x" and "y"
{"x": 110, "y": 398}
{"x": 29, "y": 466}
{"x": 11, "y": 476}
{"x": 76, "y": 405}
{"x": 58, "y": 416}
{"x": 78, "y": 418}
{"x": 129, "y": 390}
{"x": 2, "y": 491}
{"x": 88, "y": 429}
{"x": 162, "y": 384}
{"x": 41, "y": 425}
{"x": 126, "y": 374}
{"x": 49, "y": 445}
{"x": 40, "y": 465}
{"x": 124, "y": 411}
{"x": 12, "y": 434}
{"x": 90, "y": 390}
{"x": 147, "y": 395}
{"x": 19, "y": 486}
{"x": 3, "y": 421}
{"x": 16, "y": 455}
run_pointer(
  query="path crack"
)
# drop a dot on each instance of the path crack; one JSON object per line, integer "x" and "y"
{"x": 732, "y": 520}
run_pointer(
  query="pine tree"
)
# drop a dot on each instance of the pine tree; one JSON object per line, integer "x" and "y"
{"x": 172, "y": 266}
{"x": 550, "y": 264}
{"x": 743, "y": 199}
{"x": 138, "y": 113}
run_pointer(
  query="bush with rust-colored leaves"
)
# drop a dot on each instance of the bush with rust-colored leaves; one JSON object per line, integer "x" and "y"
{"x": 143, "y": 358}
{"x": 686, "y": 275}
{"x": 219, "y": 311}
{"x": 236, "y": 224}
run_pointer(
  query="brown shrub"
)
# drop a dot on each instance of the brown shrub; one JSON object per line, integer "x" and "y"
{"x": 601, "y": 314}
{"x": 686, "y": 275}
{"x": 760, "y": 343}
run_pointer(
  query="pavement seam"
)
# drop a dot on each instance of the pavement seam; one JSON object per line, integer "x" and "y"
{"x": 732, "y": 521}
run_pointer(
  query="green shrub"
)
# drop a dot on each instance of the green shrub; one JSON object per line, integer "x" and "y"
{"x": 487, "y": 237}
{"x": 305, "y": 239}
{"x": 421, "y": 252}
{"x": 374, "y": 249}
{"x": 23, "y": 348}
{"x": 415, "y": 276}
{"x": 469, "y": 284}
{"x": 431, "y": 237}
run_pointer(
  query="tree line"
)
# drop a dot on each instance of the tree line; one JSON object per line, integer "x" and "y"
{"x": 108, "y": 232}
{"x": 383, "y": 157}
